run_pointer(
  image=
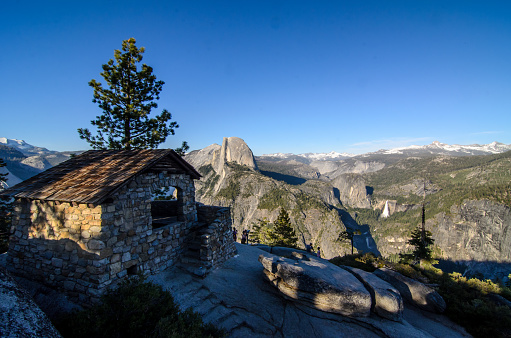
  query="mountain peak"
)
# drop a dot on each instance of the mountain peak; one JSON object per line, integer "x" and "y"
{"x": 24, "y": 147}
{"x": 234, "y": 149}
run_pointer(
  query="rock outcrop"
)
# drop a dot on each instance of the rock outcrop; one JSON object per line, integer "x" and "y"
{"x": 386, "y": 300}
{"x": 413, "y": 291}
{"x": 352, "y": 190}
{"x": 19, "y": 314}
{"x": 234, "y": 150}
{"x": 253, "y": 196}
{"x": 332, "y": 169}
{"x": 318, "y": 284}
{"x": 37, "y": 162}
{"x": 475, "y": 230}
{"x": 236, "y": 298}
{"x": 202, "y": 157}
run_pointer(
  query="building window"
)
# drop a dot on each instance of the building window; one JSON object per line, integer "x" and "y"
{"x": 166, "y": 206}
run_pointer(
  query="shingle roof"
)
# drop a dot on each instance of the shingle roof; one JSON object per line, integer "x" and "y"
{"x": 94, "y": 175}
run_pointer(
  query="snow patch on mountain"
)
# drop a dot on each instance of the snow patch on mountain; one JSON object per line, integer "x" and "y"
{"x": 18, "y": 144}
{"x": 435, "y": 148}
{"x": 455, "y": 149}
{"x": 24, "y": 147}
{"x": 331, "y": 156}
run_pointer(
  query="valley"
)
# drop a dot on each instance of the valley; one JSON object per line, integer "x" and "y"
{"x": 467, "y": 196}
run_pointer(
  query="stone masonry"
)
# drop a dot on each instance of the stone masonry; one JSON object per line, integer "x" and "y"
{"x": 85, "y": 249}
{"x": 217, "y": 244}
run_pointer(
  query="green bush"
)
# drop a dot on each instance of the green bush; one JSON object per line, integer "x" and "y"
{"x": 468, "y": 305}
{"x": 469, "y": 302}
{"x": 367, "y": 262}
{"x": 135, "y": 309}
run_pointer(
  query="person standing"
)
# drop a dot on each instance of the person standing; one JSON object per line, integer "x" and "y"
{"x": 234, "y": 234}
{"x": 319, "y": 252}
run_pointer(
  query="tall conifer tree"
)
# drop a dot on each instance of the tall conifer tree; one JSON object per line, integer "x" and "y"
{"x": 127, "y": 100}
{"x": 421, "y": 239}
{"x": 282, "y": 233}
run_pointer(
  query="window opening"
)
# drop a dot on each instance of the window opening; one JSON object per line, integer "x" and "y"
{"x": 166, "y": 206}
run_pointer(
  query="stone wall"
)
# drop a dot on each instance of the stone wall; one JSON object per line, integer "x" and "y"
{"x": 85, "y": 249}
{"x": 57, "y": 244}
{"x": 217, "y": 244}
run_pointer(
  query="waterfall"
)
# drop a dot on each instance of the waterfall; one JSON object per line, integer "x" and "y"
{"x": 385, "y": 213}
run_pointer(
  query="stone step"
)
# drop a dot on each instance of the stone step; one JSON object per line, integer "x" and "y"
{"x": 198, "y": 271}
{"x": 165, "y": 219}
{"x": 190, "y": 260}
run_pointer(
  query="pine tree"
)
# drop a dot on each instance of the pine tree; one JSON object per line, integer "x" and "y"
{"x": 5, "y": 214}
{"x": 260, "y": 232}
{"x": 127, "y": 101}
{"x": 282, "y": 233}
{"x": 421, "y": 239}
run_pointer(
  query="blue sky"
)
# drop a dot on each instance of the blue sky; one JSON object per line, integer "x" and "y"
{"x": 286, "y": 76}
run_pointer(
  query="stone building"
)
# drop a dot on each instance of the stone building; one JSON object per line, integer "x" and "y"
{"x": 85, "y": 224}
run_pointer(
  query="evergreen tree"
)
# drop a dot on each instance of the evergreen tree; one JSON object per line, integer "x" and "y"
{"x": 260, "y": 232}
{"x": 5, "y": 214}
{"x": 421, "y": 240}
{"x": 127, "y": 101}
{"x": 282, "y": 233}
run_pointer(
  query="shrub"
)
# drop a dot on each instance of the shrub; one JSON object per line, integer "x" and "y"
{"x": 367, "y": 261}
{"x": 135, "y": 309}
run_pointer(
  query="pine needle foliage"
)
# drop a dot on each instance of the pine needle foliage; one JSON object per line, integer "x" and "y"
{"x": 278, "y": 233}
{"x": 422, "y": 244}
{"x": 282, "y": 233}
{"x": 260, "y": 232}
{"x": 127, "y": 99}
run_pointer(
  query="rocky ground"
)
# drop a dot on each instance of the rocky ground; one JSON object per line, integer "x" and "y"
{"x": 238, "y": 298}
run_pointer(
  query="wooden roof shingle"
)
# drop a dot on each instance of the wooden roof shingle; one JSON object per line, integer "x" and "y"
{"x": 94, "y": 175}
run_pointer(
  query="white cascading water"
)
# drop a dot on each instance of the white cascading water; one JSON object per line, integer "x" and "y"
{"x": 385, "y": 213}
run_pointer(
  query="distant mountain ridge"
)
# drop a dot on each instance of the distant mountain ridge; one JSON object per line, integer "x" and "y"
{"x": 435, "y": 148}
{"x": 25, "y": 160}
{"x": 438, "y": 148}
{"x": 25, "y": 148}
{"x": 331, "y": 156}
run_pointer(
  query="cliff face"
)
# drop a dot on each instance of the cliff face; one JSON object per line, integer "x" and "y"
{"x": 465, "y": 230}
{"x": 352, "y": 190}
{"x": 235, "y": 150}
{"x": 230, "y": 178}
{"x": 475, "y": 230}
{"x": 332, "y": 169}
{"x": 476, "y": 234}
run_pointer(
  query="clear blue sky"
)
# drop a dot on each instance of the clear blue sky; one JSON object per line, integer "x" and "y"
{"x": 286, "y": 76}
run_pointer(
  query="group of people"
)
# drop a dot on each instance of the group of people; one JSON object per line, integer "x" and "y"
{"x": 310, "y": 248}
{"x": 244, "y": 235}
